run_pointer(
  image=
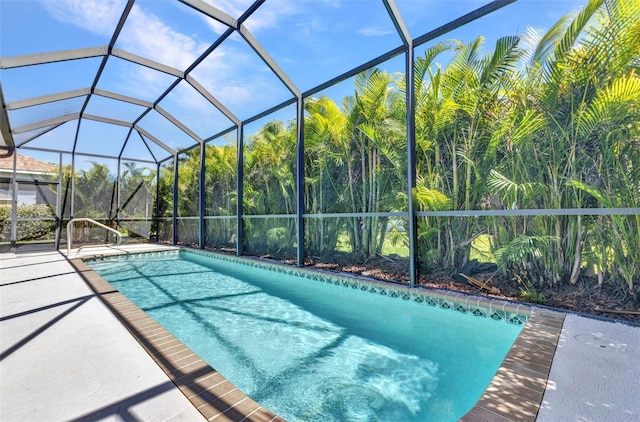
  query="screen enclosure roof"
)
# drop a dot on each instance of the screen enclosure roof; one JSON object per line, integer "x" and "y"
{"x": 145, "y": 79}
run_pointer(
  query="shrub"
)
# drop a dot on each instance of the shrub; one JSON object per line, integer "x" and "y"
{"x": 40, "y": 228}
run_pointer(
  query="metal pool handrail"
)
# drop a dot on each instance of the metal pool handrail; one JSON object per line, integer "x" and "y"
{"x": 70, "y": 233}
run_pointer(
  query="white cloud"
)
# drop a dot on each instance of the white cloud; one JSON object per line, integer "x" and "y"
{"x": 147, "y": 35}
{"x": 99, "y": 17}
{"x": 219, "y": 74}
{"x": 267, "y": 16}
{"x": 373, "y": 32}
{"x": 144, "y": 33}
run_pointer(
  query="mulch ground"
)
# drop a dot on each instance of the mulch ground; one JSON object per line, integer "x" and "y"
{"x": 584, "y": 297}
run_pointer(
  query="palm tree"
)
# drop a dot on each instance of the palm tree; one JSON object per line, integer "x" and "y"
{"x": 270, "y": 188}
{"x": 582, "y": 83}
{"x": 220, "y": 194}
{"x": 164, "y": 203}
{"x": 460, "y": 120}
{"x": 326, "y": 184}
{"x": 375, "y": 150}
{"x": 136, "y": 189}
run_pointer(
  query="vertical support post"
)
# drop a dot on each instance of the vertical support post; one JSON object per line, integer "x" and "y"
{"x": 240, "y": 195}
{"x": 411, "y": 164}
{"x": 118, "y": 182}
{"x": 410, "y": 89}
{"x": 58, "y": 203}
{"x": 202, "y": 199}
{"x": 157, "y": 202}
{"x": 73, "y": 186}
{"x": 300, "y": 181}
{"x": 175, "y": 200}
{"x": 14, "y": 202}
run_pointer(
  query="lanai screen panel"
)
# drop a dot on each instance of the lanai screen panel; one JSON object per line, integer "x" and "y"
{"x": 166, "y": 131}
{"x": 195, "y": 111}
{"x": 499, "y": 127}
{"x": 270, "y": 185}
{"x": 355, "y": 168}
{"x": 240, "y": 79}
{"x": 30, "y": 27}
{"x": 51, "y": 78}
{"x": 220, "y": 197}
{"x": 25, "y": 137}
{"x": 134, "y": 80}
{"x": 29, "y": 115}
{"x": 54, "y": 138}
{"x": 137, "y": 150}
{"x": 137, "y": 190}
{"x": 36, "y": 196}
{"x": 137, "y": 193}
{"x": 157, "y": 151}
{"x": 188, "y": 229}
{"x": 164, "y": 205}
{"x": 95, "y": 189}
{"x": 95, "y": 137}
{"x": 114, "y": 109}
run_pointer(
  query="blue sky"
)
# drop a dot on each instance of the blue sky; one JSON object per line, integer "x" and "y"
{"x": 311, "y": 40}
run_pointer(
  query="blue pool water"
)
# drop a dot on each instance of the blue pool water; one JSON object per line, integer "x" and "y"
{"x": 312, "y": 351}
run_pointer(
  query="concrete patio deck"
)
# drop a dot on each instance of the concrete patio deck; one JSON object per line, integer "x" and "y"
{"x": 64, "y": 356}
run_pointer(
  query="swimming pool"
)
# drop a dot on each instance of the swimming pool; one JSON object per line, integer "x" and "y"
{"x": 309, "y": 350}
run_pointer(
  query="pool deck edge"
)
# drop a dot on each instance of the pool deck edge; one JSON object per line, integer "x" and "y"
{"x": 215, "y": 397}
{"x": 516, "y": 391}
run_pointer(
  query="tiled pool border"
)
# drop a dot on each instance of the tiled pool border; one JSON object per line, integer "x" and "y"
{"x": 477, "y": 306}
{"x": 515, "y": 392}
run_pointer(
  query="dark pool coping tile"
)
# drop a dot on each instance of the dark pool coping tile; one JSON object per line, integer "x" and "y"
{"x": 514, "y": 394}
{"x": 516, "y": 391}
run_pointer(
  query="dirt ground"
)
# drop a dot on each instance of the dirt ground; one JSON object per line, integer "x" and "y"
{"x": 585, "y": 296}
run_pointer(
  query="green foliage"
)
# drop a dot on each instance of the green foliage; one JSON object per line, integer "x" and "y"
{"x": 5, "y": 223}
{"x": 482, "y": 249}
{"x": 137, "y": 191}
{"x": 522, "y": 251}
{"x": 544, "y": 120}
{"x": 528, "y": 291}
{"x": 95, "y": 192}
{"x": 29, "y": 230}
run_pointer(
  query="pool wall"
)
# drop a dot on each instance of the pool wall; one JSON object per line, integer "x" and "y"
{"x": 515, "y": 392}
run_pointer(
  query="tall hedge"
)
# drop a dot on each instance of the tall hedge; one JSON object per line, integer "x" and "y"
{"x": 42, "y": 228}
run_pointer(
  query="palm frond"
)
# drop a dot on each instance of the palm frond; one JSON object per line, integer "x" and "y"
{"x": 503, "y": 59}
{"x": 563, "y": 37}
{"x": 543, "y": 51}
{"x": 522, "y": 249}
{"x": 424, "y": 63}
{"x": 431, "y": 199}
{"x": 462, "y": 72}
{"x": 617, "y": 104}
{"x": 573, "y": 32}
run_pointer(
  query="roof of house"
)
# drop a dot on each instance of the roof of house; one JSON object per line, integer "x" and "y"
{"x": 26, "y": 164}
